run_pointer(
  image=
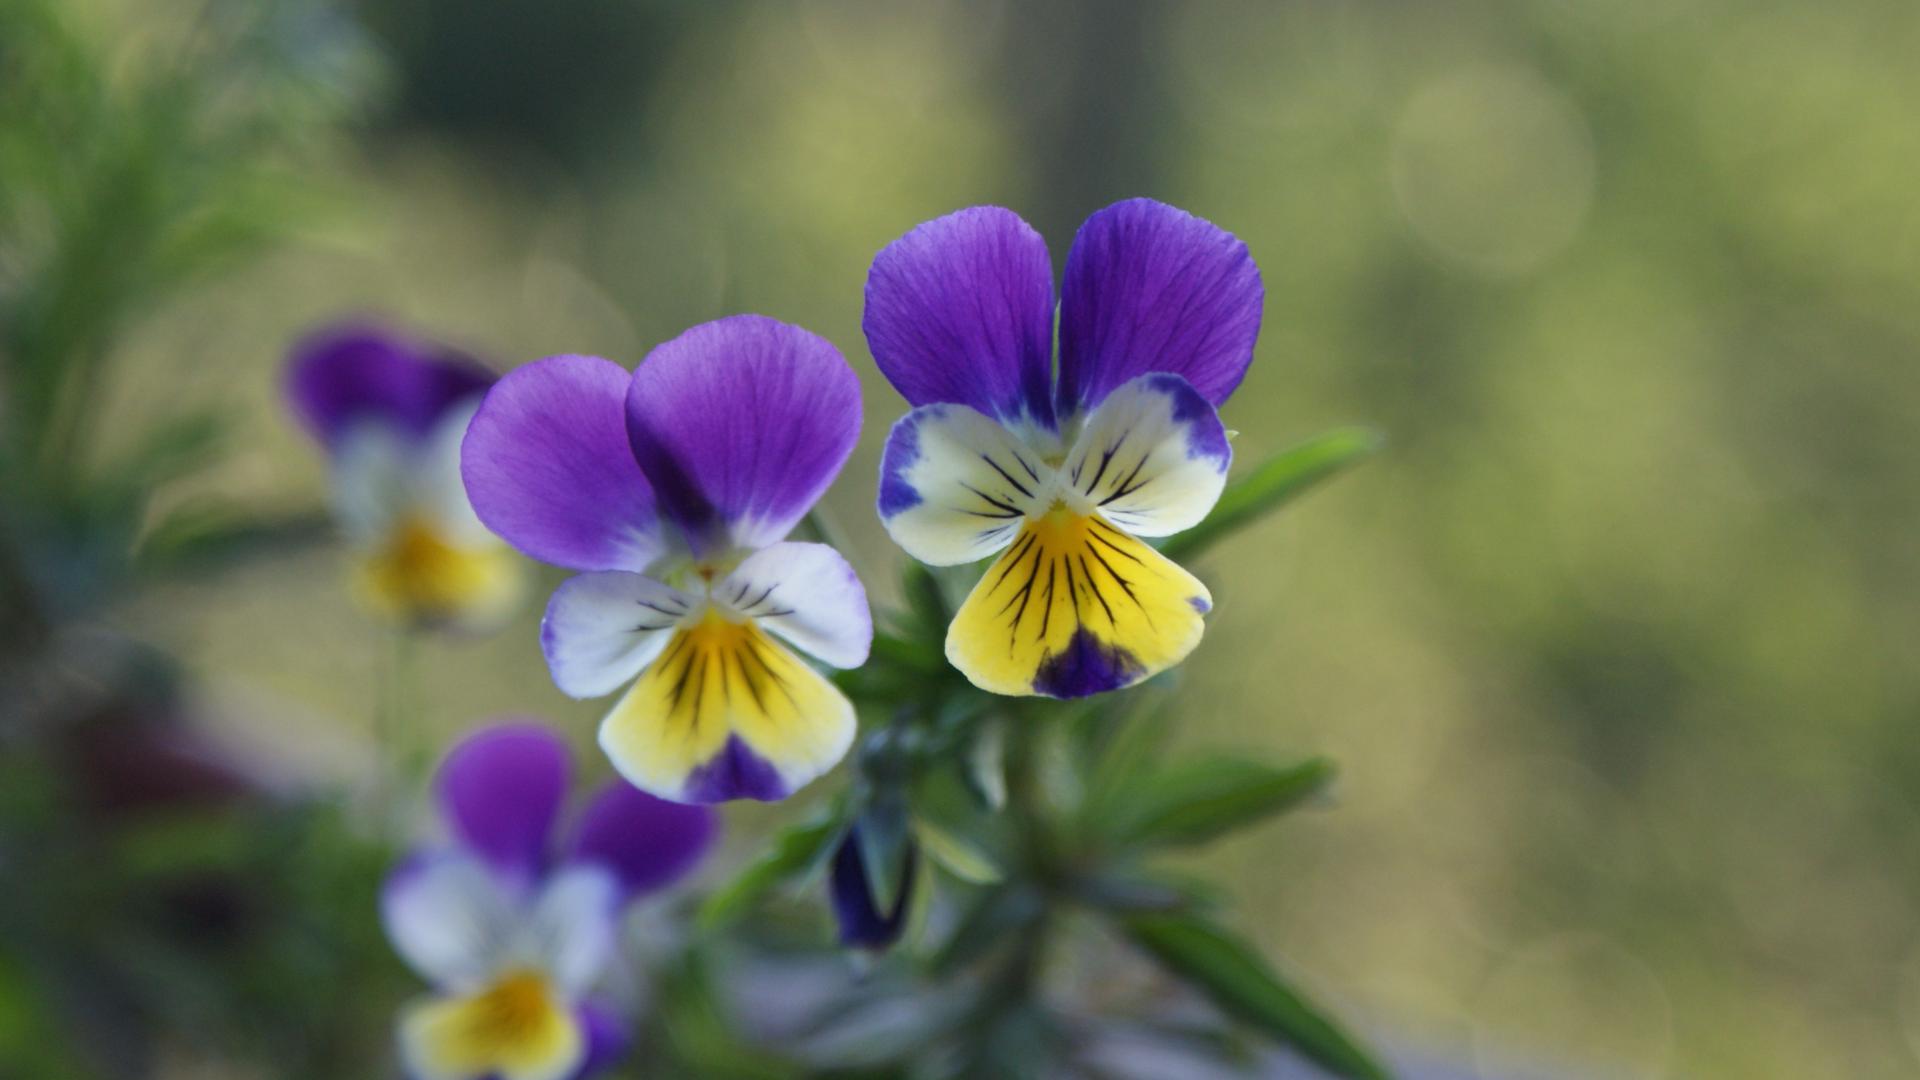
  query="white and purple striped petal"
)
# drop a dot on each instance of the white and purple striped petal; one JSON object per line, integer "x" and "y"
{"x": 740, "y": 424}
{"x": 1152, "y": 457}
{"x": 955, "y": 486}
{"x": 602, "y": 629}
{"x": 501, "y": 789}
{"x": 344, "y": 374}
{"x": 548, "y": 467}
{"x": 646, "y": 842}
{"x": 960, "y": 311}
{"x": 1150, "y": 288}
{"x": 807, "y": 594}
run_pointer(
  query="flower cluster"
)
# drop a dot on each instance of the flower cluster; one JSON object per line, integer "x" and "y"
{"x": 514, "y": 933}
{"x": 391, "y": 413}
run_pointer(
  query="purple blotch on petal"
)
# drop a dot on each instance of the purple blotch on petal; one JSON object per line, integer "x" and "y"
{"x": 547, "y": 467}
{"x": 736, "y": 772}
{"x": 500, "y": 789}
{"x": 1087, "y": 666}
{"x": 1200, "y": 604}
{"x": 648, "y": 843}
{"x": 902, "y": 453}
{"x": 740, "y": 424}
{"x": 1149, "y": 287}
{"x": 342, "y": 374}
{"x": 960, "y": 310}
{"x": 1206, "y": 435}
{"x": 609, "y": 1037}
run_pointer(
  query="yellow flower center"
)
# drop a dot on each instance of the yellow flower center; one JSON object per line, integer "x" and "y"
{"x": 419, "y": 576}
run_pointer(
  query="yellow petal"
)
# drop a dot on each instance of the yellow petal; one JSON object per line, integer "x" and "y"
{"x": 516, "y": 1029}
{"x": 726, "y": 712}
{"x": 420, "y": 576}
{"x": 1076, "y": 607}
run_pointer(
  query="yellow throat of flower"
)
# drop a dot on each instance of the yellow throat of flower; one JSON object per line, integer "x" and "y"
{"x": 419, "y": 576}
{"x": 516, "y": 1026}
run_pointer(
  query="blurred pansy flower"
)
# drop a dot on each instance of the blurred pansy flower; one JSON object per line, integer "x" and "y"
{"x": 671, "y": 488}
{"x": 391, "y": 412}
{"x": 1064, "y": 470}
{"x": 515, "y": 933}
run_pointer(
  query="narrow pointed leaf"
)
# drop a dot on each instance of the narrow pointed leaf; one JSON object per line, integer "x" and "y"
{"x": 957, "y": 855}
{"x": 1228, "y": 970}
{"x": 1272, "y": 485}
{"x": 1193, "y": 802}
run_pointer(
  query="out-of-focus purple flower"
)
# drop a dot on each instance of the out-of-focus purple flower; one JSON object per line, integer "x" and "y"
{"x": 862, "y": 923}
{"x": 391, "y": 412}
{"x": 1062, "y": 471}
{"x": 671, "y": 490}
{"x": 514, "y": 931}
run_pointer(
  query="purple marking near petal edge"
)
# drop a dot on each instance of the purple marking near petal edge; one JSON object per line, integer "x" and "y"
{"x": 960, "y": 310}
{"x": 1206, "y": 435}
{"x": 902, "y": 453}
{"x": 736, "y": 772}
{"x": 1087, "y": 666}
{"x": 1200, "y": 604}
{"x": 648, "y": 843}
{"x": 1149, "y": 287}
{"x": 501, "y": 789}
{"x": 342, "y": 374}
{"x": 741, "y": 424}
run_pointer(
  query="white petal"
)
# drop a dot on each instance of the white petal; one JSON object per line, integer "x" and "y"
{"x": 434, "y": 484}
{"x": 574, "y": 927}
{"x": 602, "y": 628}
{"x": 955, "y": 485}
{"x": 372, "y": 484}
{"x": 448, "y": 918}
{"x": 807, "y": 594}
{"x": 1152, "y": 458}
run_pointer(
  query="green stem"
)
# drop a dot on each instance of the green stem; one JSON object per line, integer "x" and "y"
{"x": 397, "y": 744}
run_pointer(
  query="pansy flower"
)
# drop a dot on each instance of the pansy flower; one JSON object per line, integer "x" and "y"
{"x": 1062, "y": 470}
{"x": 515, "y": 933}
{"x": 391, "y": 413}
{"x": 672, "y": 490}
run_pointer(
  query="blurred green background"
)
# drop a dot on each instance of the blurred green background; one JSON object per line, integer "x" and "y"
{"x": 1617, "y": 642}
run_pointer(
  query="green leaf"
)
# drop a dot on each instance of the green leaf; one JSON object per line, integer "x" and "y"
{"x": 961, "y": 857}
{"x": 1193, "y": 802}
{"x": 998, "y": 916}
{"x": 1228, "y": 970}
{"x": 794, "y": 852}
{"x": 1272, "y": 485}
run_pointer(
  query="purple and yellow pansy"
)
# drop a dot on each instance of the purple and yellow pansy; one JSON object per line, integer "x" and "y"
{"x": 671, "y": 490}
{"x": 1061, "y": 470}
{"x": 391, "y": 412}
{"x": 515, "y": 933}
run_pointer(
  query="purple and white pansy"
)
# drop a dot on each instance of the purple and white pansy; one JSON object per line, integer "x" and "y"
{"x": 1061, "y": 469}
{"x": 671, "y": 490}
{"x": 515, "y": 933}
{"x": 390, "y": 412}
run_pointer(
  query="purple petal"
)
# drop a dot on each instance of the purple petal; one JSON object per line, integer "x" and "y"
{"x": 741, "y": 424}
{"x": 547, "y": 466}
{"x": 500, "y": 789}
{"x": 609, "y": 1037}
{"x": 1150, "y": 288}
{"x": 960, "y": 310}
{"x": 648, "y": 843}
{"x": 351, "y": 372}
